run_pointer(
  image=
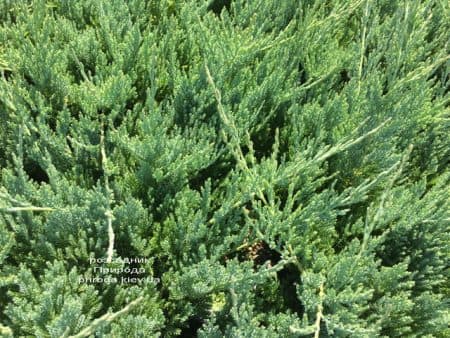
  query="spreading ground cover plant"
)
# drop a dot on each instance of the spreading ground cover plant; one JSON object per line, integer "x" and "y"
{"x": 224, "y": 168}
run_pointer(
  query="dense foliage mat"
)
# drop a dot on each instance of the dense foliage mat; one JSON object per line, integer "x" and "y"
{"x": 245, "y": 168}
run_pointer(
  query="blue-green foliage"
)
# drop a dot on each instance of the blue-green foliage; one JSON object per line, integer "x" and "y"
{"x": 281, "y": 166}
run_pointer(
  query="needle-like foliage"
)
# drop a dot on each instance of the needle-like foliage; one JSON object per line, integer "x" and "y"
{"x": 237, "y": 168}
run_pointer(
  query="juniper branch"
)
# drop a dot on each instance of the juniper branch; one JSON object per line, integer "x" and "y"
{"x": 31, "y": 208}
{"x": 319, "y": 314}
{"x": 344, "y": 146}
{"x": 108, "y": 212}
{"x": 363, "y": 46}
{"x": 370, "y": 226}
{"x": 230, "y": 125}
{"x": 21, "y": 206}
{"x": 106, "y": 319}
